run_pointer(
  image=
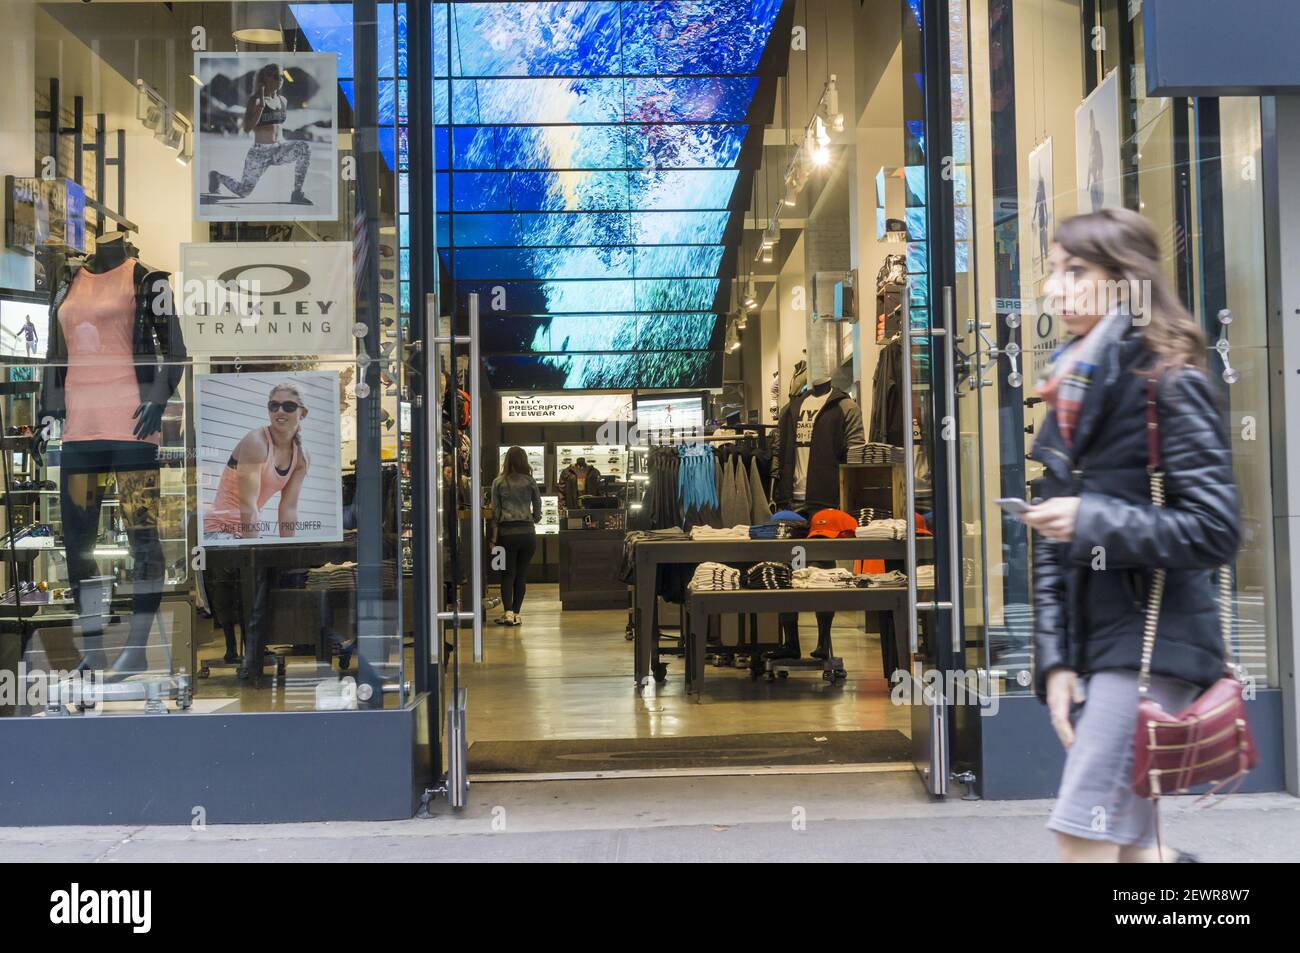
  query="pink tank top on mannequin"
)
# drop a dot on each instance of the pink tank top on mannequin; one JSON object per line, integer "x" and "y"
{"x": 97, "y": 318}
{"x": 224, "y": 515}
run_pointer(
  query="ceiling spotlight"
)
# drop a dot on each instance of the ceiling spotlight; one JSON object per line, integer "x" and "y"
{"x": 832, "y": 100}
{"x": 751, "y": 297}
{"x": 767, "y": 254}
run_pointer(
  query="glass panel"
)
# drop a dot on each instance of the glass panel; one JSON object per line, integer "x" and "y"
{"x": 1033, "y": 165}
{"x": 206, "y": 474}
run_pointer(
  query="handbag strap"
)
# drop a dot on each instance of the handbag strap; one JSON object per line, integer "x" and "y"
{"x": 1152, "y": 618}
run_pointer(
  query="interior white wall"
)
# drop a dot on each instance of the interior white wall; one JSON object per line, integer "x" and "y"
{"x": 878, "y": 142}
{"x": 159, "y": 196}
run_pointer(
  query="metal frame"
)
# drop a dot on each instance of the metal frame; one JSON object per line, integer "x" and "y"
{"x": 1281, "y": 167}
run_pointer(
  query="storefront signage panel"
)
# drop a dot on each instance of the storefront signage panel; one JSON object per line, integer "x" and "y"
{"x": 566, "y": 408}
{"x": 266, "y": 298}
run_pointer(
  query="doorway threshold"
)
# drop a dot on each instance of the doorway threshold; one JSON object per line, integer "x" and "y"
{"x": 695, "y": 772}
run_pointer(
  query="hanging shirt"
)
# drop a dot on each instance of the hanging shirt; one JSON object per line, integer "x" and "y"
{"x": 803, "y": 431}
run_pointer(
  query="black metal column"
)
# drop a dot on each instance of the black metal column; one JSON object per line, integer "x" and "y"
{"x": 423, "y": 366}
{"x": 376, "y": 632}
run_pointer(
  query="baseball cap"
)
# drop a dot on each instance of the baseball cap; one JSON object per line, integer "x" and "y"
{"x": 787, "y": 516}
{"x": 832, "y": 524}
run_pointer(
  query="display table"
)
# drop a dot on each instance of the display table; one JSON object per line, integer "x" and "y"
{"x": 651, "y": 554}
{"x": 702, "y": 604}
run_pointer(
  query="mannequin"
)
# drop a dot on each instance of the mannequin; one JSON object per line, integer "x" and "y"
{"x": 816, "y": 431}
{"x": 116, "y": 357}
{"x": 579, "y": 480}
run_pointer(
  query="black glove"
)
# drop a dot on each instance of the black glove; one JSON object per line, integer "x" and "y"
{"x": 148, "y": 420}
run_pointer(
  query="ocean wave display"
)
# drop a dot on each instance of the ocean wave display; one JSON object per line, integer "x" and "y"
{"x": 586, "y": 160}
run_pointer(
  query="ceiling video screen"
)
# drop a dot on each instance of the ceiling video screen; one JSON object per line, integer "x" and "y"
{"x": 587, "y": 163}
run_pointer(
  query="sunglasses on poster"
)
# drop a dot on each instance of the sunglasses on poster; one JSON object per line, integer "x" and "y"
{"x": 288, "y": 406}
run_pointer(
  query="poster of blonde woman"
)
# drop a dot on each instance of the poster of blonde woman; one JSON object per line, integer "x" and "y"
{"x": 269, "y": 458}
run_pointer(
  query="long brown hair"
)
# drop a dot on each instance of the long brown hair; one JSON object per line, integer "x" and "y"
{"x": 1125, "y": 246}
{"x": 517, "y": 462}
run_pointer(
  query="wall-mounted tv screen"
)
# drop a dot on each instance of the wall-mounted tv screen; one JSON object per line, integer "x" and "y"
{"x": 674, "y": 412}
{"x": 24, "y": 326}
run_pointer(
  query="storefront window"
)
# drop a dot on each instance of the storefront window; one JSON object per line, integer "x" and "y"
{"x": 1061, "y": 124}
{"x": 205, "y": 293}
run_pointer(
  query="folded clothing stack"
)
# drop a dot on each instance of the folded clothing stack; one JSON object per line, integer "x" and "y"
{"x": 925, "y": 576}
{"x": 814, "y": 578}
{"x": 730, "y": 532}
{"x": 715, "y": 577}
{"x": 874, "y": 580}
{"x": 784, "y": 524}
{"x": 875, "y": 453}
{"x": 882, "y": 529}
{"x": 769, "y": 575}
{"x": 868, "y": 513}
{"x": 342, "y": 577}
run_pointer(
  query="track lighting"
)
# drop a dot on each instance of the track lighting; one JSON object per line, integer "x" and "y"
{"x": 751, "y": 296}
{"x": 831, "y": 97}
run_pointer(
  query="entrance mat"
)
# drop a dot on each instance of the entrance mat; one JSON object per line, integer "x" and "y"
{"x": 800, "y": 748}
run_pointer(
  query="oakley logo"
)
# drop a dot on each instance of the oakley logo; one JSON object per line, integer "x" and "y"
{"x": 298, "y": 279}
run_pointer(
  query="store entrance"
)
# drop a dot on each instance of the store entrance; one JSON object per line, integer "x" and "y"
{"x": 711, "y": 512}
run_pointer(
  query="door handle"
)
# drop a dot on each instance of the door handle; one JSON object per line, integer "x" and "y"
{"x": 957, "y": 577}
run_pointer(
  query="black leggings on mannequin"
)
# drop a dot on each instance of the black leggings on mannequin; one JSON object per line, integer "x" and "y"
{"x": 790, "y": 624}
{"x": 84, "y": 475}
{"x": 790, "y": 620}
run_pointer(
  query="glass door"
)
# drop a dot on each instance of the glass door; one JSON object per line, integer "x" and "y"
{"x": 929, "y": 365}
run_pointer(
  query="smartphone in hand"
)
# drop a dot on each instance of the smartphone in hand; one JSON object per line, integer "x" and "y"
{"x": 1013, "y": 506}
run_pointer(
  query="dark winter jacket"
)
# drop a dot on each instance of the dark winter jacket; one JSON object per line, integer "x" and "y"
{"x": 1089, "y": 618}
{"x": 838, "y": 429}
{"x": 156, "y": 341}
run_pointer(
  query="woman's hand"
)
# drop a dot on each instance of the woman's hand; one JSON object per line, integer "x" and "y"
{"x": 1063, "y": 690}
{"x": 1054, "y": 518}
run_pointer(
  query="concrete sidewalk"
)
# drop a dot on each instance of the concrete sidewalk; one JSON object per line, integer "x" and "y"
{"x": 838, "y": 817}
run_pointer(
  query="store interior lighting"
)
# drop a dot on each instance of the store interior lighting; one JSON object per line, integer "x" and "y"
{"x": 257, "y": 22}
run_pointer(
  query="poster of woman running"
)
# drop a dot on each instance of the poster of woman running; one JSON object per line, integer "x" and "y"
{"x": 266, "y": 144}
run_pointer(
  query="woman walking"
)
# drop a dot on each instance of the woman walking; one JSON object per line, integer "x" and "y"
{"x": 1099, "y": 536}
{"x": 516, "y": 508}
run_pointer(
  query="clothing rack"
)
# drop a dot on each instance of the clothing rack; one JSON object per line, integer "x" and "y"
{"x": 676, "y": 440}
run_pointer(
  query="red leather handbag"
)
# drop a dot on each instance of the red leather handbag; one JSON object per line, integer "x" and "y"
{"x": 1209, "y": 741}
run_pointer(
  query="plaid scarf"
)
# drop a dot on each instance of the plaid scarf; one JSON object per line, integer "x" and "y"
{"x": 1072, "y": 369}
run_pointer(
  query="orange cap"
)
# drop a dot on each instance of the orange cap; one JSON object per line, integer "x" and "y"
{"x": 832, "y": 524}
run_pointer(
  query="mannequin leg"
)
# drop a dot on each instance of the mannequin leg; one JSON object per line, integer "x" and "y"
{"x": 789, "y": 636}
{"x": 80, "y": 495}
{"x": 823, "y": 650}
{"x": 137, "y": 491}
{"x": 824, "y": 621}
{"x": 255, "y": 634}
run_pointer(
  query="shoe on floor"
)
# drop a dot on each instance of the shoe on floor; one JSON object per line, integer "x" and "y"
{"x": 518, "y": 620}
{"x": 297, "y": 198}
{"x": 506, "y": 619}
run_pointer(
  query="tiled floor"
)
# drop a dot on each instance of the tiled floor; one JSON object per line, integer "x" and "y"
{"x": 569, "y": 675}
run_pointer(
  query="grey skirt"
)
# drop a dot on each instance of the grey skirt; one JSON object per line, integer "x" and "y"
{"x": 1096, "y": 799}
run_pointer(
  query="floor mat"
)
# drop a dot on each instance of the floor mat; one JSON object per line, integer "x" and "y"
{"x": 712, "y": 751}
